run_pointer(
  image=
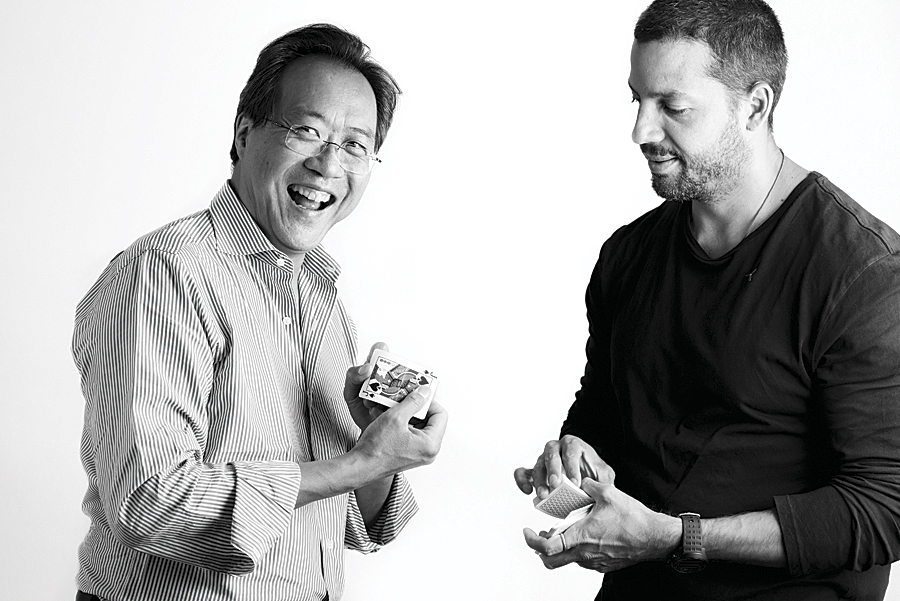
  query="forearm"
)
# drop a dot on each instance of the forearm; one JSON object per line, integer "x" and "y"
{"x": 322, "y": 479}
{"x": 750, "y": 538}
{"x": 352, "y": 471}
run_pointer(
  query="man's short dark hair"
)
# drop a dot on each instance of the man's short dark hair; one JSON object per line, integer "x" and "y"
{"x": 322, "y": 39}
{"x": 744, "y": 36}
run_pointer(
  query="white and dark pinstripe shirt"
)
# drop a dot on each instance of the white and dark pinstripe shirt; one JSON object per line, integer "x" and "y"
{"x": 208, "y": 378}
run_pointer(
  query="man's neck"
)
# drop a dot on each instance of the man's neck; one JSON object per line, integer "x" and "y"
{"x": 721, "y": 225}
{"x": 297, "y": 264}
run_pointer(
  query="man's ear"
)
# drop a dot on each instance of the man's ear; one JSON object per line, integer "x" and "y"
{"x": 242, "y": 127}
{"x": 760, "y": 99}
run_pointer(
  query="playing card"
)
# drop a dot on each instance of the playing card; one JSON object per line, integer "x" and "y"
{"x": 570, "y": 519}
{"x": 563, "y": 500}
{"x": 394, "y": 377}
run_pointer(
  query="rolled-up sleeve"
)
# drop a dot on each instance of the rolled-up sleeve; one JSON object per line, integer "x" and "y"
{"x": 145, "y": 351}
{"x": 399, "y": 507}
{"x": 854, "y": 522}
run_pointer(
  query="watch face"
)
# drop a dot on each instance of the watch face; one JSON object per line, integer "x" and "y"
{"x": 689, "y": 562}
{"x": 688, "y": 565}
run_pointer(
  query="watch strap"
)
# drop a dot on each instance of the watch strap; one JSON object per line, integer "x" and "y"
{"x": 692, "y": 535}
{"x": 690, "y": 556}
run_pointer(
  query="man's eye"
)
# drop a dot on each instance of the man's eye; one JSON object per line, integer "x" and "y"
{"x": 355, "y": 148}
{"x": 305, "y": 132}
{"x": 674, "y": 111}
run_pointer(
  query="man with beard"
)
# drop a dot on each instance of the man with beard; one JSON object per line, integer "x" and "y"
{"x": 738, "y": 422}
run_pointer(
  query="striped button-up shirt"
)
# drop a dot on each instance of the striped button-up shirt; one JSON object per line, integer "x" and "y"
{"x": 208, "y": 380}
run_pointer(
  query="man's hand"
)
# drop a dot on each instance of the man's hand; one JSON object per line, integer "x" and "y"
{"x": 569, "y": 455}
{"x": 619, "y": 532}
{"x": 363, "y": 411}
{"x": 390, "y": 444}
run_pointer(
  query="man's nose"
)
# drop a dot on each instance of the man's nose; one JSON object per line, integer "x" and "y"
{"x": 326, "y": 163}
{"x": 647, "y": 129}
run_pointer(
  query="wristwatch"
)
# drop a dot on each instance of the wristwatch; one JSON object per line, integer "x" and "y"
{"x": 690, "y": 557}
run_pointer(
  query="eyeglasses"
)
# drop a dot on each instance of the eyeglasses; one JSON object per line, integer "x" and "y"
{"x": 306, "y": 141}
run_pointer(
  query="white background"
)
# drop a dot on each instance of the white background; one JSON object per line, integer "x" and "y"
{"x": 470, "y": 252}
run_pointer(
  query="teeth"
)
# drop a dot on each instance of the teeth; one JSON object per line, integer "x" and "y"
{"x": 313, "y": 195}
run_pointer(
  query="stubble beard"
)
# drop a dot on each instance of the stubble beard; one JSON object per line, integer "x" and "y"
{"x": 709, "y": 176}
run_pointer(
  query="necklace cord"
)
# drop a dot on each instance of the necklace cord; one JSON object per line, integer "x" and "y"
{"x": 772, "y": 187}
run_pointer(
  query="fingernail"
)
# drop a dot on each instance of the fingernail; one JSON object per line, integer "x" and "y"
{"x": 553, "y": 480}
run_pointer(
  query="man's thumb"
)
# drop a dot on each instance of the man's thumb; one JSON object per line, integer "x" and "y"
{"x": 416, "y": 399}
{"x": 595, "y": 489}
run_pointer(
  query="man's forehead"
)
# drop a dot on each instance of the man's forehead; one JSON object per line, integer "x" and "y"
{"x": 670, "y": 68}
{"x": 315, "y": 87}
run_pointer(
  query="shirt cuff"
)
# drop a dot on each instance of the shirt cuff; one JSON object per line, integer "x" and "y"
{"x": 814, "y": 527}
{"x": 264, "y": 502}
{"x": 399, "y": 507}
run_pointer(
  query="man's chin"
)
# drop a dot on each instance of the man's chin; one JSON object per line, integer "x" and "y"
{"x": 666, "y": 187}
{"x": 682, "y": 189}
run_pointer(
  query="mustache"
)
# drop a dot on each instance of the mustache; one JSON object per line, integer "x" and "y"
{"x": 658, "y": 150}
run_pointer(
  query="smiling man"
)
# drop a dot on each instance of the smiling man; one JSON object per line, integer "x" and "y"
{"x": 738, "y": 422}
{"x": 228, "y": 453}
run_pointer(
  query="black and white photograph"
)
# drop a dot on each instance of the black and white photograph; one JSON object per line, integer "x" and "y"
{"x": 648, "y": 246}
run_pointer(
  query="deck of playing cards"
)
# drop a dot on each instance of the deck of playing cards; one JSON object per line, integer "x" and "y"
{"x": 394, "y": 377}
{"x": 566, "y": 502}
{"x": 577, "y": 515}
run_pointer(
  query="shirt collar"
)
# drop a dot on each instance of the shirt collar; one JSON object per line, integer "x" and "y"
{"x": 237, "y": 234}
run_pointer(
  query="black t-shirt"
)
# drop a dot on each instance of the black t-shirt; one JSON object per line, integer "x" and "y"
{"x": 768, "y": 377}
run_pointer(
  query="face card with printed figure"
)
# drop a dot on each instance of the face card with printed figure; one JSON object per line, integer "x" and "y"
{"x": 394, "y": 377}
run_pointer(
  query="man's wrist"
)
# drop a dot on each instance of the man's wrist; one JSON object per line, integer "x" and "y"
{"x": 667, "y": 530}
{"x": 330, "y": 477}
{"x": 368, "y": 467}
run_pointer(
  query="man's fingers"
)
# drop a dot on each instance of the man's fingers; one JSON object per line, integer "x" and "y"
{"x": 535, "y": 540}
{"x": 597, "y": 490}
{"x": 378, "y": 345}
{"x": 555, "y": 545}
{"x": 552, "y": 464}
{"x": 523, "y": 480}
{"x": 435, "y": 419}
{"x": 357, "y": 374}
{"x": 539, "y": 478}
{"x": 375, "y": 411}
{"x": 550, "y": 549}
{"x": 571, "y": 454}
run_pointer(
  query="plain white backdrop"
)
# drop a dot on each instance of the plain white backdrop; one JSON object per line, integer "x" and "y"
{"x": 469, "y": 253}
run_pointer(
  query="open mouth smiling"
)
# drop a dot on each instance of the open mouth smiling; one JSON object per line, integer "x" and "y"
{"x": 310, "y": 198}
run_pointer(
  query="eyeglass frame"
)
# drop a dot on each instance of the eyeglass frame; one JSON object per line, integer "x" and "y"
{"x": 372, "y": 159}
